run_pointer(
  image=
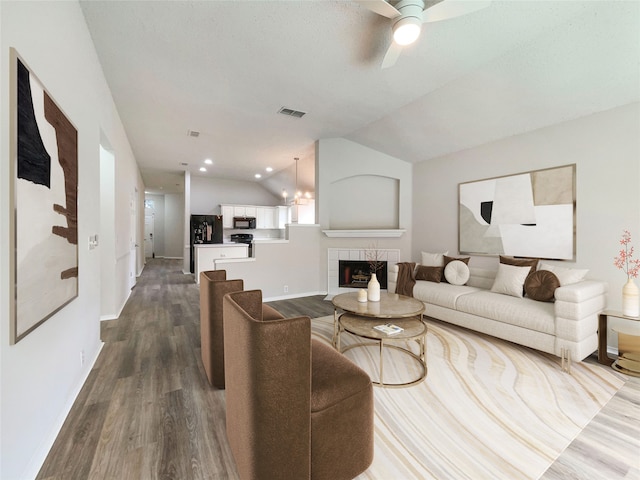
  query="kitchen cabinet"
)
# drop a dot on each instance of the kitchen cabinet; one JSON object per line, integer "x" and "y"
{"x": 244, "y": 211}
{"x": 227, "y": 216}
{"x": 207, "y": 254}
{"x": 284, "y": 216}
{"x": 267, "y": 217}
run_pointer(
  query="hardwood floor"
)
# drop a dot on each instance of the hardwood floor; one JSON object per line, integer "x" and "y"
{"x": 147, "y": 411}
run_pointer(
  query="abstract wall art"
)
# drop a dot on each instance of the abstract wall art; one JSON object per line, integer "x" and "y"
{"x": 44, "y": 230}
{"x": 525, "y": 215}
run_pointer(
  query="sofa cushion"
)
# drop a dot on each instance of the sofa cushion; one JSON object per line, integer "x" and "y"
{"x": 433, "y": 259}
{"x": 430, "y": 274}
{"x": 510, "y": 280}
{"x": 541, "y": 285}
{"x": 520, "y": 262}
{"x": 456, "y": 273}
{"x": 521, "y": 312}
{"x": 567, "y": 276}
{"x": 447, "y": 260}
{"x": 442, "y": 294}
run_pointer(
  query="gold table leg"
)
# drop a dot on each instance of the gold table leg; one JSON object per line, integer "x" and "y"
{"x": 381, "y": 363}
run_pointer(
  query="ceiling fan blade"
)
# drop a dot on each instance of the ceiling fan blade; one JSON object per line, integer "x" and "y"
{"x": 391, "y": 57}
{"x": 380, "y": 7}
{"x": 452, "y": 8}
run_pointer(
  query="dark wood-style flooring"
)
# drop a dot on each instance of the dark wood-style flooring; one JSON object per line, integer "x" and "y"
{"x": 147, "y": 411}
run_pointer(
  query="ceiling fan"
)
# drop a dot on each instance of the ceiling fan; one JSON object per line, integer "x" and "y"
{"x": 408, "y": 16}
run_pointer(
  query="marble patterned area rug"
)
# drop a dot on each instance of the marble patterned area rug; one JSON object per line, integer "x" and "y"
{"x": 488, "y": 409}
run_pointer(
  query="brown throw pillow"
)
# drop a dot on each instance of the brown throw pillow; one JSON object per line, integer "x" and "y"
{"x": 447, "y": 260}
{"x": 521, "y": 262}
{"x": 430, "y": 274}
{"x": 541, "y": 285}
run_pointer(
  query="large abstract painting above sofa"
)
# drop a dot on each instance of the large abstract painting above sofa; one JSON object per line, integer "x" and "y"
{"x": 528, "y": 214}
{"x": 45, "y": 233}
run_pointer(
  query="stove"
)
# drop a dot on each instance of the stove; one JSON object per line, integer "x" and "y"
{"x": 243, "y": 238}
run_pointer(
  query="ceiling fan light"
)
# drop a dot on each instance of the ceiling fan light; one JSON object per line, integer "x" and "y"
{"x": 406, "y": 30}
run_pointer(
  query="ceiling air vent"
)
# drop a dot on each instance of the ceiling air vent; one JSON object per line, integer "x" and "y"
{"x": 193, "y": 133}
{"x": 291, "y": 112}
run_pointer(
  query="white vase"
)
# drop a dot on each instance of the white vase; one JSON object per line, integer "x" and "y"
{"x": 373, "y": 289}
{"x": 630, "y": 299}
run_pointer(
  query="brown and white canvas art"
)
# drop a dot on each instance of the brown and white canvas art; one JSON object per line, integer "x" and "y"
{"x": 45, "y": 232}
{"x": 530, "y": 214}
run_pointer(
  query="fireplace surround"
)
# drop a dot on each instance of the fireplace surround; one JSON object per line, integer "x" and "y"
{"x": 357, "y": 273}
{"x": 335, "y": 255}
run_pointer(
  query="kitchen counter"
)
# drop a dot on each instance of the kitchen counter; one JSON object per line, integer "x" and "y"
{"x": 207, "y": 254}
{"x": 215, "y": 245}
{"x": 270, "y": 240}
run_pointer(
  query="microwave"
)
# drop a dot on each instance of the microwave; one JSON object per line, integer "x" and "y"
{"x": 244, "y": 222}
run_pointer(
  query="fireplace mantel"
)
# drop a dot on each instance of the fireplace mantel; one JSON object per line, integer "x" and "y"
{"x": 366, "y": 233}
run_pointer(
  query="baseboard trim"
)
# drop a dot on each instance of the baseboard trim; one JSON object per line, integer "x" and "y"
{"x": 111, "y": 316}
{"x": 38, "y": 458}
{"x": 293, "y": 295}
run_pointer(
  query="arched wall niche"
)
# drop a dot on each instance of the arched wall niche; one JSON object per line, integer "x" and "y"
{"x": 364, "y": 202}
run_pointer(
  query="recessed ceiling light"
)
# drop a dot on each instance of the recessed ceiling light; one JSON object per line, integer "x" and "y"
{"x": 202, "y": 169}
{"x": 269, "y": 169}
{"x": 208, "y": 161}
{"x": 257, "y": 175}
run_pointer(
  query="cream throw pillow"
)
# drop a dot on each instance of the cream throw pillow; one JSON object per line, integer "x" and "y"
{"x": 433, "y": 259}
{"x": 510, "y": 280}
{"x": 456, "y": 272}
{"x": 567, "y": 276}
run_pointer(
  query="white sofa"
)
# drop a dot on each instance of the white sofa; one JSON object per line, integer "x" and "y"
{"x": 569, "y": 324}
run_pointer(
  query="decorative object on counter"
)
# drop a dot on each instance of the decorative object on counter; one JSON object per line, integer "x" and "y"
{"x": 373, "y": 289}
{"x": 374, "y": 257}
{"x": 362, "y": 296}
{"x": 625, "y": 262}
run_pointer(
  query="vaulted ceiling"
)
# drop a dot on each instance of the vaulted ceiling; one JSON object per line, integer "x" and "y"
{"x": 225, "y": 68}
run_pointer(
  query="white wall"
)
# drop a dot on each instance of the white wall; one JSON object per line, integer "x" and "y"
{"x": 107, "y": 238}
{"x": 208, "y": 193}
{"x": 338, "y": 159}
{"x": 606, "y": 150}
{"x": 42, "y": 374}
{"x": 294, "y": 264}
{"x": 173, "y": 219}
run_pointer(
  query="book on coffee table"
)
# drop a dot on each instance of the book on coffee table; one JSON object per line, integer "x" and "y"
{"x": 389, "y": 328}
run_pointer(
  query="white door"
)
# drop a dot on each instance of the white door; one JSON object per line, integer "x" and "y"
{"x": 133, "y": 238}
{"x": 148, "y": 236}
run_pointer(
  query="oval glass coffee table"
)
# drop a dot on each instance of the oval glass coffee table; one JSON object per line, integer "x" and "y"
{"x": 361, "y": 318}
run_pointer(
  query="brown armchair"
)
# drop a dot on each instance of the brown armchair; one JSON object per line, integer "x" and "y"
{"x": 213, "y": 287}
{"x": 296, "y": 408}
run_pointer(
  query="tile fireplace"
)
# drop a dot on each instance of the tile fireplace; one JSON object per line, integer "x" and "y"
{"x": 349, "y": 270}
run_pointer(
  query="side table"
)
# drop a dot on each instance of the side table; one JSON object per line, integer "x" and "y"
{"x": 628, "y": 344}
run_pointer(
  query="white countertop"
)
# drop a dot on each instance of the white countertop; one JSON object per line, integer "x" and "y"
{"x": 270, "y": 240}
{"x": 218, "y": 245}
